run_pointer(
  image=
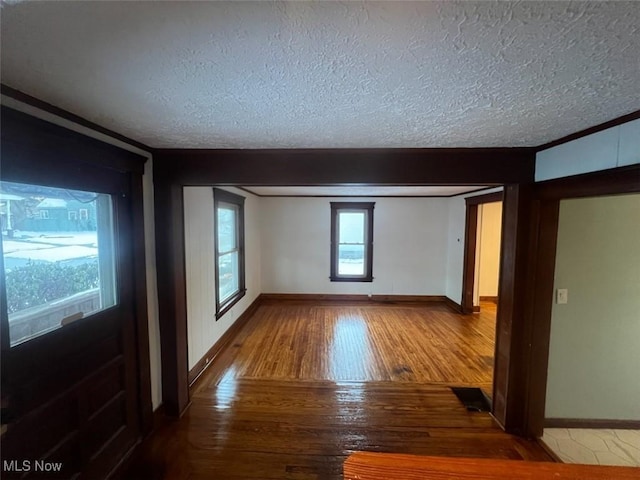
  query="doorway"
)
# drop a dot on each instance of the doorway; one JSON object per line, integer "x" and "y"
{"x": 483, "y": 233}
{"x": 597, "y": 293}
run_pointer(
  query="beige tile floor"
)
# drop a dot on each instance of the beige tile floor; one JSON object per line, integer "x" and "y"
{"x": 594, "y": 447}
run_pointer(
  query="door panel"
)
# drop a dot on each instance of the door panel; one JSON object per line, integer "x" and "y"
{"x": 72, "y": 395}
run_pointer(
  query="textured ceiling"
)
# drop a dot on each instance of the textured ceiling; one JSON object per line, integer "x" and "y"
{"x": 362, "y": 191}
{"x": 329, "y": 74}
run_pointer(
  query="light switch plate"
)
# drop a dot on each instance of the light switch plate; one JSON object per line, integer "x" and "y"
{"x": 562, "y": 296}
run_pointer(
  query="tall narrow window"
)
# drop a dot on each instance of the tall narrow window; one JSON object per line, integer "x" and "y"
{"x": 352, "y": 242}
{"x": 229, "y": 249}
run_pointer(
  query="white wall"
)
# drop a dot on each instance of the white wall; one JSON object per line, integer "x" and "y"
{"x": 488, "y": 250}
{"x": 594, "y": 354}
{"x": 202, "y": 328}
{"x": 455, "y": 248}
{"x": 409, "y": 252}
{"x": 614, "y": 147}
{"x": 149, "y": 233}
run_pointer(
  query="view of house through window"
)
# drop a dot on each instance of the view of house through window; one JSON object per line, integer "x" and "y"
{"x": 352, "y": 241}
{"x": 229, "y": 245}
{"x": 58, "y": 263}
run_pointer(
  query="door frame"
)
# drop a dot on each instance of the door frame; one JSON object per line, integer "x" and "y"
{"x": 546, "y": 207}
{"x": 470, "y": 237}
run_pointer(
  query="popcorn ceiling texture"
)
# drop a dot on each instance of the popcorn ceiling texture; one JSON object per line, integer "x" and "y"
{"x": 329, "y": 74}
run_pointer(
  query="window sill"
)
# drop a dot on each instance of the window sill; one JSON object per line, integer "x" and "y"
{"x": 228, "y": 305}
{"x": 351, "y": 279}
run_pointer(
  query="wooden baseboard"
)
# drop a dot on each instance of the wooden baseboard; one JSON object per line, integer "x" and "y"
{"x": 476, "y": 308}
{"x": 208, "y": 358}
{"x": 334, "y": 297}
{"x": 409, "y": 298}
{"x": 491, "y": 299}
{"x": 159, "y": 417}
{"x": 591, "y": 423}
{"x": 453, "y": 305}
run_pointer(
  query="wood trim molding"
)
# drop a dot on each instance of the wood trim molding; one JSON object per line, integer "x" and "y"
{"x": 66, "y": 115}
{"x": 455, "y": 306}
{"x": 489, "y": 298}
{"x": 249, "y": 190}
{"x": 591, "y": 130}
{"x": 223, "y": 342}
{"x": 172, "y": 294}
{"x": 486, "y": 198}
{"x": 614, "y": 181}
{"x": 159, "y": 418}
{"x": 332, "y": 297}
{"x": 512, "y": 348}
{"x": 591, "y": 423}
{"x": 538, "y": 309}
{"x": 429, "y": 166}
{"x": 30, "y": 138}
{"x": 473, "y": 192}
{"x": 469, "y": 260}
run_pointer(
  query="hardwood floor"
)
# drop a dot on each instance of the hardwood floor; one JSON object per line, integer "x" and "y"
{"x": 365, "y": 342}
{"x": 306, "y": 384}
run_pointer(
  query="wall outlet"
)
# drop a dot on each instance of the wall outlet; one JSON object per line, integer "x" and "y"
{"x": 562, "y": 296}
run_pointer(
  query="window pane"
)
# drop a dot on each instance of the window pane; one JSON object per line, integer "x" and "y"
{"x": 59, "y": 266}
{"x": 351, "y": 260}
{"x": 351, "y": 227}
{"x": 228, "y": 275}
{"x": 227, "y": 229}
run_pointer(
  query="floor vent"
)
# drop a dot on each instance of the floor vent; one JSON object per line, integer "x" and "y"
{"x": 474, "y": 399}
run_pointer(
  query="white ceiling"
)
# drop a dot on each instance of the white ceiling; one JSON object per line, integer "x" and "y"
{"x": 329, "y": 74}
{"x": 362, "y": 191}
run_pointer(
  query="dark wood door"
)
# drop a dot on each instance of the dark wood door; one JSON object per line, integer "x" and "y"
{"x": 72, "y": 399}
{"x": 70, "y": 394}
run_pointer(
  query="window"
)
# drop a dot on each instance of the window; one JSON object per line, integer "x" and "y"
{"x": 73, "y": 215}
{"x": 351, "y": 242}
{"x": 54, "y": 273}
{"x": 229, "y": 249}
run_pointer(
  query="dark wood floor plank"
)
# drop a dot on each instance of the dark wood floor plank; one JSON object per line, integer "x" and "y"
{"x": 306, "y": 384}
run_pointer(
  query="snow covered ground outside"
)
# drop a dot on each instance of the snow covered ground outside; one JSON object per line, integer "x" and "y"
{"x": 350, "y": 267}
{"x": 69, "y": 247}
